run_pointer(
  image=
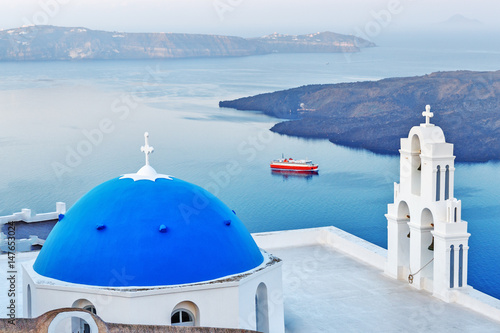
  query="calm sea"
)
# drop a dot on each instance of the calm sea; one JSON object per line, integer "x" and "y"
{"x": 66, "y": 127}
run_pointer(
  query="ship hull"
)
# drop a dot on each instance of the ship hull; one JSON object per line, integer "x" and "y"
{"x": 291, "y": 167}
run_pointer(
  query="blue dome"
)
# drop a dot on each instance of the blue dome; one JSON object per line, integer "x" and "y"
{"x": 128, "y": 232}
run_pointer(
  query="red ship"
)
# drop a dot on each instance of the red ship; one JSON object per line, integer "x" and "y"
{"x": 294, "y": 165}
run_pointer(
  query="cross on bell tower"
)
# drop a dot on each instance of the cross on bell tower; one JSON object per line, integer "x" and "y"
{"x": 428, "y": 115}
{"x": 147, "y": 149}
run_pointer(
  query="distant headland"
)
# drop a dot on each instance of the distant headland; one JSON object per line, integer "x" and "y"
{"x": 373, "y": 115}
{"x": 58, "y": 43}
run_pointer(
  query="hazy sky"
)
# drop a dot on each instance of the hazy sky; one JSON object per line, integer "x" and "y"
{"x": 247, "y": 17}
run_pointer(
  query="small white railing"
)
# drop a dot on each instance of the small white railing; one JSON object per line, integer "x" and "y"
{"x": 25, "y": 244}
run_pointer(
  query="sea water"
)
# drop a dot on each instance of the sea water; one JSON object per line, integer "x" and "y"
{"x": 66, "y": 127}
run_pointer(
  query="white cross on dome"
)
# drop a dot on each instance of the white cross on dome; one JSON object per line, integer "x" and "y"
{"x": 147, "y": 149}
{"x": 146, "y": 172}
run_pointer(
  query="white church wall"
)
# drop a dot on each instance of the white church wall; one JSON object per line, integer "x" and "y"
{"x": 27, "y": 281}
{"x": 155, "y": 308}
{"x": 441, "y": 260}
{"x": 271, "y": 278}
{"x": 219, "y": 303}
{"x": 151, "y": 307}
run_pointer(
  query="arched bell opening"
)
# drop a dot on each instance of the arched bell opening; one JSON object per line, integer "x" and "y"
{"x": 416, "y": 165}
{"x": 427, "y": 242}
{"x": 405, "y": 234}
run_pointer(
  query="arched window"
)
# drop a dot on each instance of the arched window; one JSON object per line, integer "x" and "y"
{"x": 82, "y": 304}
{"x": 185, "y": 314}
{"x": 452, "y": 265}
{"x": 90, "y": 308}
{"x": 182, "y": 317}
{"x": 28, "y": 305}
{"x": 438, "y": 183}
{"x": 447, "y": 183}
{"x": 261, "y": 309}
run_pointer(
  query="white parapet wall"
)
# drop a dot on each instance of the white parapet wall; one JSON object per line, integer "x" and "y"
{"x": 479, "y": 302}
{"x": 25, "y": 215}
{"x": 328, "y": 236}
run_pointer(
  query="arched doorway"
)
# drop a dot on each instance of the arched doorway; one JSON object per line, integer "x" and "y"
{"x": 78, "y": 324}
{"x": 262, "y": 309}
{"x": 185, "y": 314}
{"x": 64, "y": 322}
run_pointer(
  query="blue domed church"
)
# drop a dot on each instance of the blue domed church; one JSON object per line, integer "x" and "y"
{"x": 147, "y": 248}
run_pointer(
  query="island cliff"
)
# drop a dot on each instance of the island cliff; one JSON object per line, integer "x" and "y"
{"x": 57, "y": 43}
{"x": 373, "y": 115}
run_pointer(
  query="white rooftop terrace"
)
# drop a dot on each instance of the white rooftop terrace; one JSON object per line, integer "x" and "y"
{"x": 326, "y": 290}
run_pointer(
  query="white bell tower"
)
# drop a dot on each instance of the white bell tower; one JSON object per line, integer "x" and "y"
{"x": 427, "y": 239}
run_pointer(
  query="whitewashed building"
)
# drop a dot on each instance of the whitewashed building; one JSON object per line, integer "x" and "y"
{"x": 147, "y": 248}
{"x": 427, "y": 238}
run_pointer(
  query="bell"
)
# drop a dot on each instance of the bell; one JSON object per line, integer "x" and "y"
{"x": 408, "y": 234}
{"x": 431, "y": 247}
